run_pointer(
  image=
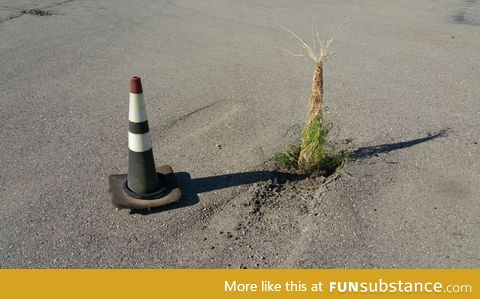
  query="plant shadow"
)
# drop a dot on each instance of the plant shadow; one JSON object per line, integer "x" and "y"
{"x": 192, "y": 187}
{"x": 366, "y": 152}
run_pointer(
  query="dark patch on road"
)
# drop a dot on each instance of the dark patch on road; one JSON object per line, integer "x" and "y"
{"x": 469, "y": 14}
{"x": 37, "y": 12}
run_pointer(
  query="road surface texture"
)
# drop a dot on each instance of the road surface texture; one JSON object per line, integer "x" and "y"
{"x": 402, "y": 90}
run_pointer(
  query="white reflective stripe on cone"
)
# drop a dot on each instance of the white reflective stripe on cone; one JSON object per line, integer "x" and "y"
{"x": 137, "y": 112}
{"x": 139, "y": 142}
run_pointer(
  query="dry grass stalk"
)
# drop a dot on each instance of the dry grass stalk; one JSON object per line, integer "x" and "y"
{"x": 311, "y": 148}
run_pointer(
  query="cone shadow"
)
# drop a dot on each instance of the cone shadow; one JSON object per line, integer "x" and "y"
{"x": 192, "y": 187}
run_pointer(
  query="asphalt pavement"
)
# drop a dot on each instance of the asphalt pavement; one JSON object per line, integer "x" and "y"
{"x": 223, "y": 97}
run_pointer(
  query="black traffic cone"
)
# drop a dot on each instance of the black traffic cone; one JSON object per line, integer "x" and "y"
{"x": 144, "y": 186}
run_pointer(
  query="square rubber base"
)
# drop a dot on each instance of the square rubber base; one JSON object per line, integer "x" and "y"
{"x": 122, "y": 200}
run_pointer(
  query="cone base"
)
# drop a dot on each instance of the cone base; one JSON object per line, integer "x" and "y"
{"x": 123, "y": 200}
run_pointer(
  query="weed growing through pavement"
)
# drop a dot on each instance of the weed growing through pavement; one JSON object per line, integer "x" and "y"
{"x": 311, "y": 155}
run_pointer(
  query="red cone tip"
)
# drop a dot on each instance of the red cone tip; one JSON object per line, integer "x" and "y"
{"x": 135, "y": 85}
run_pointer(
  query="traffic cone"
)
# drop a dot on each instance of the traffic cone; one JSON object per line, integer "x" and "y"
{"x": 144, "y": 186}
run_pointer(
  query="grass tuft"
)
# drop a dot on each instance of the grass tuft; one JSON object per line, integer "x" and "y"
{"x": 312, "y": 147}
{"x": 311, "y": 155}
{"x": 289, "y": 157}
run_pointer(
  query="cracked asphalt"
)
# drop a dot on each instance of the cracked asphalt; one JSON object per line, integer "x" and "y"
{"x": 222, "y": 98}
